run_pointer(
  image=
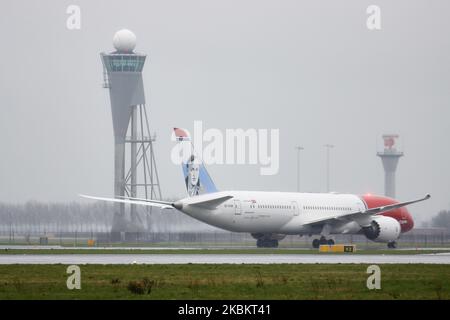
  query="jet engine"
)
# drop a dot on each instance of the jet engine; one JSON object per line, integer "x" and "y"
{"x": 383, "y": 229}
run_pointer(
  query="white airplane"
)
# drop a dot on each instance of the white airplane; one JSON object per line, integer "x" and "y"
{"x": 270, "y": 216}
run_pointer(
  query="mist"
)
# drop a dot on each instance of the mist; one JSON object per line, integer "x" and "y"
{"x": 310, "y": 69}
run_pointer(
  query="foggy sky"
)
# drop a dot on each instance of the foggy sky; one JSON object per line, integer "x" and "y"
{"x": 309, "y": 68}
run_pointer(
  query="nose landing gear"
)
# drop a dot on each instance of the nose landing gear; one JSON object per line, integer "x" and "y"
{"x": 318, "y": 242}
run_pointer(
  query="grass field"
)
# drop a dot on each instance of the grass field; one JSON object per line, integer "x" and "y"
{"x": 225, "y": 282}
{"x": 205, "y": 251}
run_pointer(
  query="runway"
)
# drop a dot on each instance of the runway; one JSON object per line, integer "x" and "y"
{"x": 80, "y": 259}
{"x": 47, "y": 247}
{"x": 156, "y": 248}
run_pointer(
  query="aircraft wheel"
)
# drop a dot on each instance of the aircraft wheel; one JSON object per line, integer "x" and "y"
{"x": 330, "y": 242}
{"x": 323, "y": 240}
{"x": 259, "y": 243}
{"x": 392, "y": 245}
{"x": 316, "y": 243}
{"x": 274, "y": 244}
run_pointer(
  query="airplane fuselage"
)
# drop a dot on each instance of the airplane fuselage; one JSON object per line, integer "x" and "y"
{"x": 291, "y": 213}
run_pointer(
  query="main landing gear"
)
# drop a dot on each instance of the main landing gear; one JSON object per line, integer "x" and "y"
{"x": 267, "y": 243}
{"x": 392, "y": 245}
{"x": 318, "y": 242}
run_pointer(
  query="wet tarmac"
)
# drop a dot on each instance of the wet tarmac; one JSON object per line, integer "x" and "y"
{"x": 438, "y": 258}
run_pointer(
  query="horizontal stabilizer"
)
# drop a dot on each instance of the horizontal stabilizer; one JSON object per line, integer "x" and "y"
{"x": 209, "y": 201}
{"x": 142, "y": 202}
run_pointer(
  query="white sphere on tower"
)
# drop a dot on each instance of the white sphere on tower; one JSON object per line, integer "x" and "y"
{"x": 124, "y": 41}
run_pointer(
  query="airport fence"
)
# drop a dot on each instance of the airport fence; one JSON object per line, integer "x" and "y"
{"x": 74, "y": 224}
{"x": 419, "y": 238}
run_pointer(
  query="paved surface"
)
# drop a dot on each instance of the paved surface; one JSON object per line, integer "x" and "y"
{"x": 440, "y": 258}
{"x": 39, "y": 247}
{"x": 224, "y": 247}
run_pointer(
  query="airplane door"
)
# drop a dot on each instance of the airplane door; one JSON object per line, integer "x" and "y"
{"x": 237, "y": 207}
{"x": 295, "y": 209}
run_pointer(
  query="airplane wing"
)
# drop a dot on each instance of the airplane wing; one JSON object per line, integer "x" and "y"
{"x": 143, "y": 202}
{"x": 362, "y": 217}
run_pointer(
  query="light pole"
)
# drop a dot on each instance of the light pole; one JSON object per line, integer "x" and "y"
{"x": 328, "y": 146}
{"x": 299, "y": 148}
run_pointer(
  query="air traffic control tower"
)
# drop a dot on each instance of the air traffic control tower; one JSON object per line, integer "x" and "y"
{"x": 123, "y": 77}
{"x": 389, "y": 156}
